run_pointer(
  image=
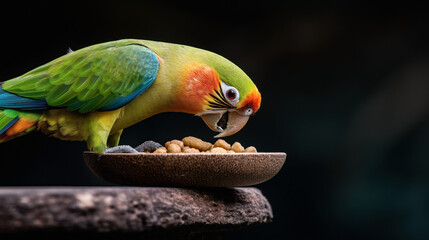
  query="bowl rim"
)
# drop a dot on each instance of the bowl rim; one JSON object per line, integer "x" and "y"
{"x": 185, "y": 154}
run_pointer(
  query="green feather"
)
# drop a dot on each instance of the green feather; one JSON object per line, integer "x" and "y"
{"x": 90, "y": 78}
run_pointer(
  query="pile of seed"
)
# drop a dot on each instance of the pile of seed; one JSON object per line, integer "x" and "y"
{"x": 196, "y": 145}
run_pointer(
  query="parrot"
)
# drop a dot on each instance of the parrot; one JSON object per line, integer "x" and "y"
{"x": 93, "y": 93}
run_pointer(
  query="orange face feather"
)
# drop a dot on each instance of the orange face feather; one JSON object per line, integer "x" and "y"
{"x": 252, "y": 100}
{"x": 200, "y": 82}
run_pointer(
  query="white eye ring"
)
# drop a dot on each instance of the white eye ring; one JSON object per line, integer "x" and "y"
{"x": 248, "y": 111}
{"x": 231, "y": 94}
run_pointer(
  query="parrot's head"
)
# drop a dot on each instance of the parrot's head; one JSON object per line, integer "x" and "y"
{"x": 219, "y": 92}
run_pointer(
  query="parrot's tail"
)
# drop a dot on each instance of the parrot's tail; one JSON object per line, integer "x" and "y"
{"x": 16, "y": 123}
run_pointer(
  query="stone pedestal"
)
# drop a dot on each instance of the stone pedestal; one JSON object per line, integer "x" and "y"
{"x": 145, "y": 213}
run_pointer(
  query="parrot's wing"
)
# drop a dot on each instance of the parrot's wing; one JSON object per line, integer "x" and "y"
{"x": 101, "y": 77}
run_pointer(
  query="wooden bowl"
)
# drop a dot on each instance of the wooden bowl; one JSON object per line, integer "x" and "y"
{"x": 185, "y": 169}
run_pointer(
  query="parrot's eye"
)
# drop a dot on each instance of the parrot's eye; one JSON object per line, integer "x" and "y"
{"x": 231, "y": 94}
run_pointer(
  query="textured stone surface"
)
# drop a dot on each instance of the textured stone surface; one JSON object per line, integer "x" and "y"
{"x": 130, "y": 210}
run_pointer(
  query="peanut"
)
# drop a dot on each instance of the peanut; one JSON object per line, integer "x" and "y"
{"x": 191, "y": 150}
{"x": 197, "y": 143}
{"x": 236, "y": 147}
{"x": 160, "y": 150}
{"x": 223, "y": 144}
{"x": 250, "y": 149}
{"x": 178, "y": 142}
{"x": 173, "y": 148}
{"x": 218, "y": 150}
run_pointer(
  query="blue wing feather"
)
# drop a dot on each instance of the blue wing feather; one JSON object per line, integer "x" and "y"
{"x": 13, "y": 101}
{"x": 121, "y": 101}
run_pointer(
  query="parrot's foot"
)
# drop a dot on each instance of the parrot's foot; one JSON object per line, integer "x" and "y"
{"x": 113, "y": 139}
{"x": 96, "y": 144}
{"x": 121, "y": 149}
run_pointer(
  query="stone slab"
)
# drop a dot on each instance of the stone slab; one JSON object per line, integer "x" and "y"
{"x": 164, "y": 211}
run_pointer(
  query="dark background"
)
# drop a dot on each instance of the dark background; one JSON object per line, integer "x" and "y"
{"x": 344, "y": 92}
